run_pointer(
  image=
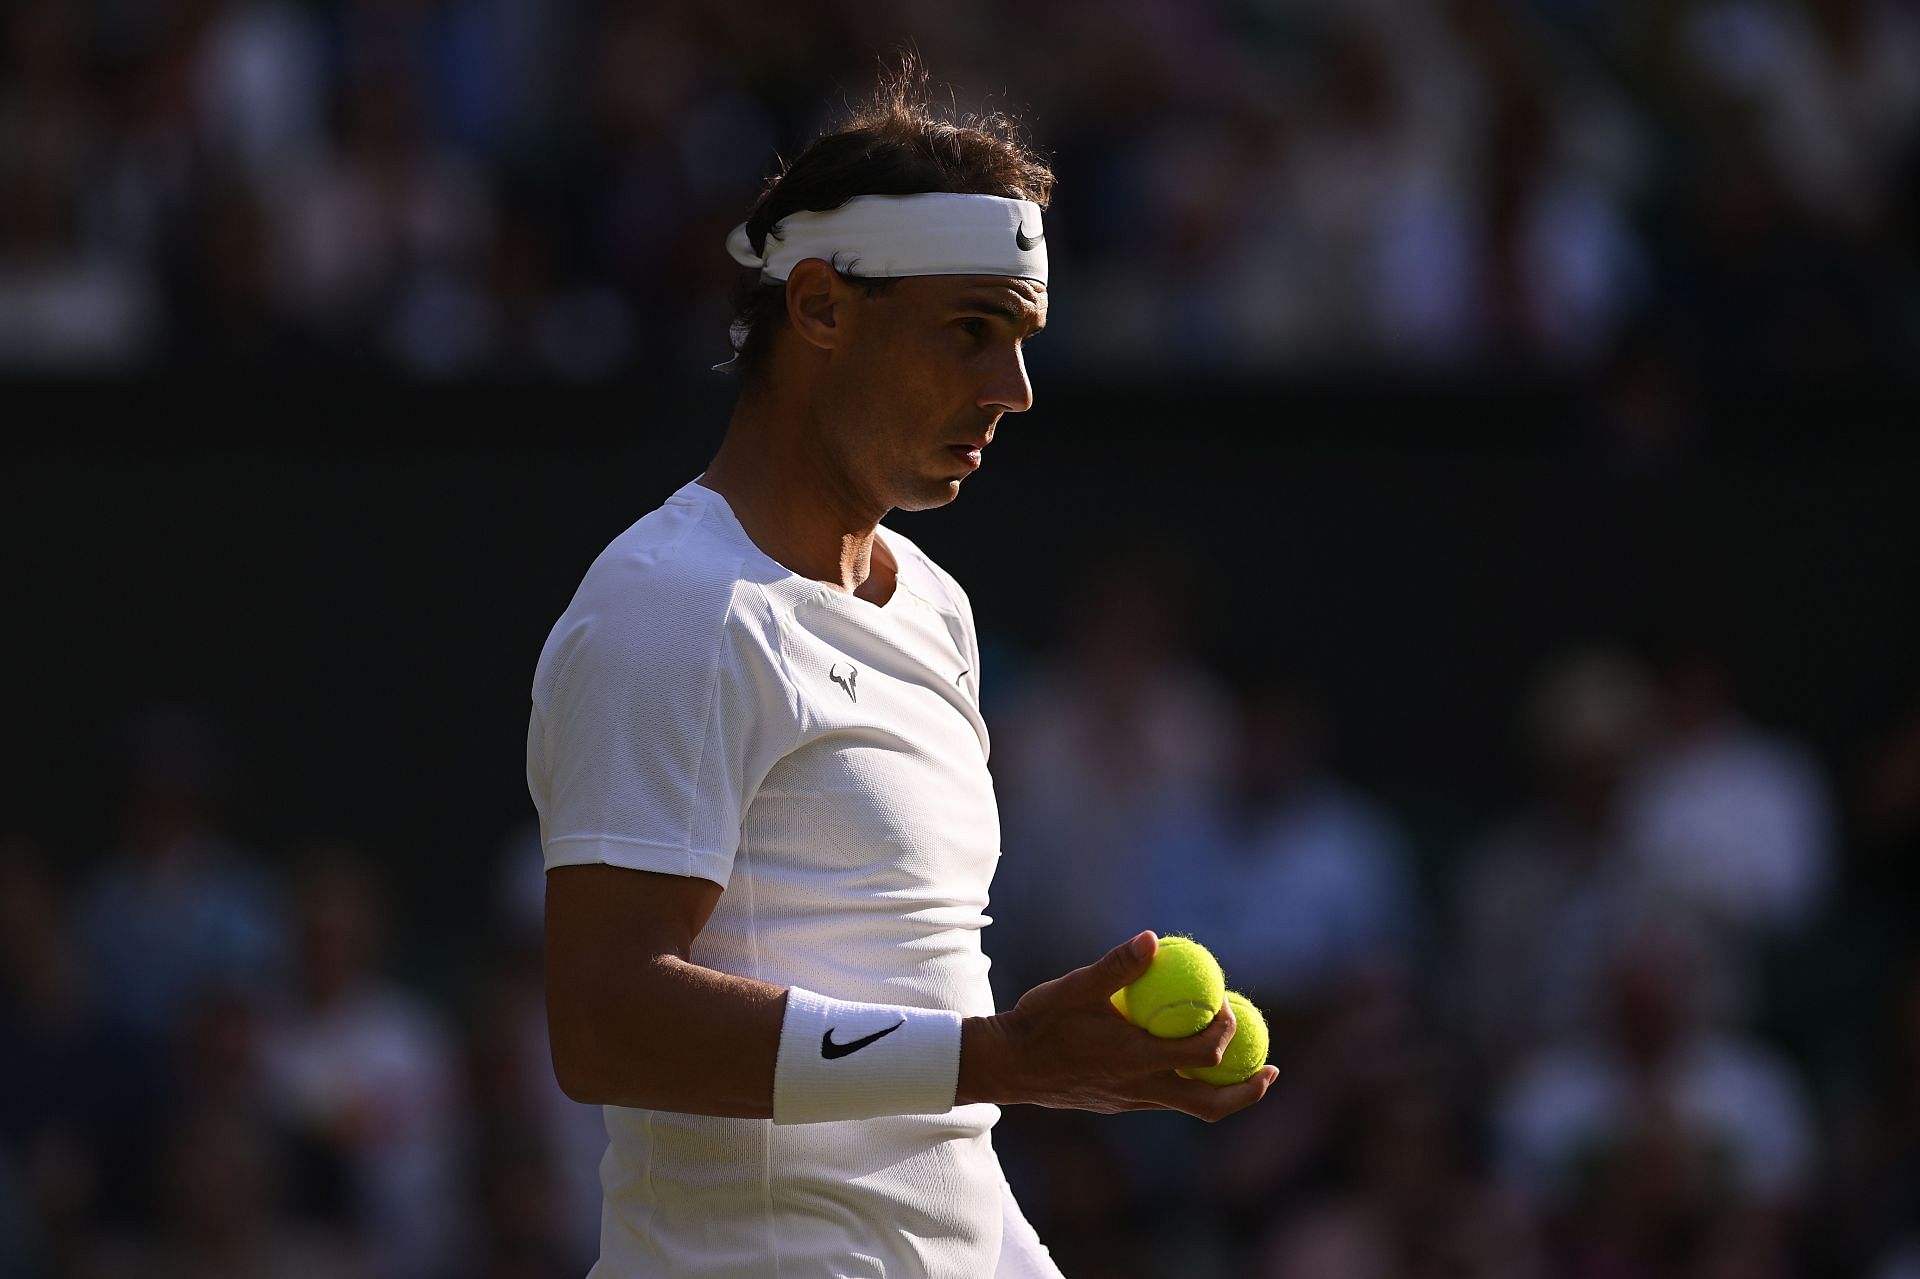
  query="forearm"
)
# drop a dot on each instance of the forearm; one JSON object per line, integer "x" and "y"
{"x": 675, "y": 1036}
{"x": 684, "y": 1038}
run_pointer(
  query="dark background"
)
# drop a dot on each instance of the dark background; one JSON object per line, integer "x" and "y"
{"x": 1401, "y": 352}
{"x": 355, "y": 582}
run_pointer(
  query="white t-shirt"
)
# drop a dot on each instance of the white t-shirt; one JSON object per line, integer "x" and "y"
{"x": 701, "y": 710}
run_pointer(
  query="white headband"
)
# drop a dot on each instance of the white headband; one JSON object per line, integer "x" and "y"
{"x": 882, "y": 236}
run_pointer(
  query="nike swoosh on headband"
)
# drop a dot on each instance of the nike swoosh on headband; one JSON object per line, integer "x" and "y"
{"x": 885, "y": 236}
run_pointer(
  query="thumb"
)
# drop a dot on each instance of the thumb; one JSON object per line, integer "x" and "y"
{"x": 1119, "y": 966}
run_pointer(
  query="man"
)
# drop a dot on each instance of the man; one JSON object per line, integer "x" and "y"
{"x": 761, "y": 770}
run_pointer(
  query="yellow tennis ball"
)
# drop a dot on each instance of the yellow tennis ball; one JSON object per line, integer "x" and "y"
{"x": 1178, "y": 994}
{"x": 1246, "y": 1052}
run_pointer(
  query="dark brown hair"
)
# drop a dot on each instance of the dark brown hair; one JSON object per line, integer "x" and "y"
{"x": 896, "y": 144}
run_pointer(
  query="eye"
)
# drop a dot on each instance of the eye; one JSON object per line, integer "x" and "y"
{"x": 973, "y": 326}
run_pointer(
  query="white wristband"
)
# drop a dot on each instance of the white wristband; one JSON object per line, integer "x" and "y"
{"x": 841, "y": 1060}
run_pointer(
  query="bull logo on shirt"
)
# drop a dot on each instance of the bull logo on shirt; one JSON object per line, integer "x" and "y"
{"x": 845, "y": 674}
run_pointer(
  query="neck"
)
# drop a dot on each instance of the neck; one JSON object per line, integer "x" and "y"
{"x": 792, "y": 502}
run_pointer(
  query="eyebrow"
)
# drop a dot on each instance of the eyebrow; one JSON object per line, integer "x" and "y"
{"x": 1006, "y": 310}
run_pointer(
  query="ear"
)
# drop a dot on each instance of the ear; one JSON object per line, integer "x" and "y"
{"x": 817, "y": 300}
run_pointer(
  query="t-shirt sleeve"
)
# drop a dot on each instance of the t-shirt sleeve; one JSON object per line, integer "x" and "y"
{"x": 655, "y": 718}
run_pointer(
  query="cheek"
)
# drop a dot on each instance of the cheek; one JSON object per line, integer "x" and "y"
{"x": 902, "y": 389}
{"x": 921, "y": 382}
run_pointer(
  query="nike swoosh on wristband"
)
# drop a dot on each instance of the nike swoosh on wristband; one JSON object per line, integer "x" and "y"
{"x": 831, "y": 1050}
{"x": 1028, "y": 243}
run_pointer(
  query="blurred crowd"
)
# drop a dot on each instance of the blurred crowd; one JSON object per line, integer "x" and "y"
{"x": 525, "y": 188}
{"x": 1661, "y": 1020}
{"x": 206, "y": 1071}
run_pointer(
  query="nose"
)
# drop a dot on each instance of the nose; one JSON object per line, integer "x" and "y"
{"x": 1008, "y": 389}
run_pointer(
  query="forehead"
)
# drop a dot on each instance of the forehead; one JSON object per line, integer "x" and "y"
{"x": 1019, "y": 299}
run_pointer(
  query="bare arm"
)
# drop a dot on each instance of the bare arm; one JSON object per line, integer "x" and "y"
{"x": 634, "y": 1023}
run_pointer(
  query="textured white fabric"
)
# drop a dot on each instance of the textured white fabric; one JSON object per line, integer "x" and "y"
{"x": 884, "y": 236}
{"x": 889, "y": 1060}
{"x": 700, "y": 710}
{"x": 1022, "y": 1255}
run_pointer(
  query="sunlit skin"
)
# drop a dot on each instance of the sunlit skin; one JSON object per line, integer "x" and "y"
{"x": 862, "y": 405}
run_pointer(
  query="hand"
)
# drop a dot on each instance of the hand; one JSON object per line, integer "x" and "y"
{"x": 1065, "y": 1045}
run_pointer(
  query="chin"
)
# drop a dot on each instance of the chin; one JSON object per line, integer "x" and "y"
{"x": 926, "y": 497}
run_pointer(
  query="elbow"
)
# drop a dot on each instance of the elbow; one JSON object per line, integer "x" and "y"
{"x": 577, "y": 1067}
{"x": 579, "y": 1085}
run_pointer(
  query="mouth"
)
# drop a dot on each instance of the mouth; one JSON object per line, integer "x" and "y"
{"x": 968, "y": 453}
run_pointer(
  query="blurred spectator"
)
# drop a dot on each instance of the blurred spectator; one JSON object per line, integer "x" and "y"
{"x": 1361, "y": 1160}
{"x": 1833, "y": 90}
{"x": 1566, "y": 271}
{"x": 223, "y": 1215}
{"x": 259, "y": 87}
{"x": 383, "y": 225}
{"x": 1728, "y": 817}
{"x": 1789, "y": 123}
{"x": 179, "y": 910}
{"x": 365, "y": 1071}
{"x": 1401, "y": 1196}
{"x": 531, "y": 1123}
{"x": 78, "y": 1105}
{"x": 1084, "y": 1196}
{"x": 1108, "y": 762}
{"x": 1664, "y": 1143}
{"x": 1307, "y": 884}
{"x": 1543, "y": 898}
{"x": 68, "y": 301}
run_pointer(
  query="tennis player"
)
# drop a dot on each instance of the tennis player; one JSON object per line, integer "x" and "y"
{"x": 761, "y": 771}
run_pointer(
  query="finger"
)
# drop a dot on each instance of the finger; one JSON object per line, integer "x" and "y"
{"x": 1205, "y": 1047}
{"x": 1146, "y": 1054}
{"x": 1224, "y": 1024}
{"x": 1204, "y": 1101}
{"x": 1119, "y": 966}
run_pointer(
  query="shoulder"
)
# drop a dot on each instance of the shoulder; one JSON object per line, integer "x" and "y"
{"x": 680, "y": 553}
{"x": 679, "y": 586}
